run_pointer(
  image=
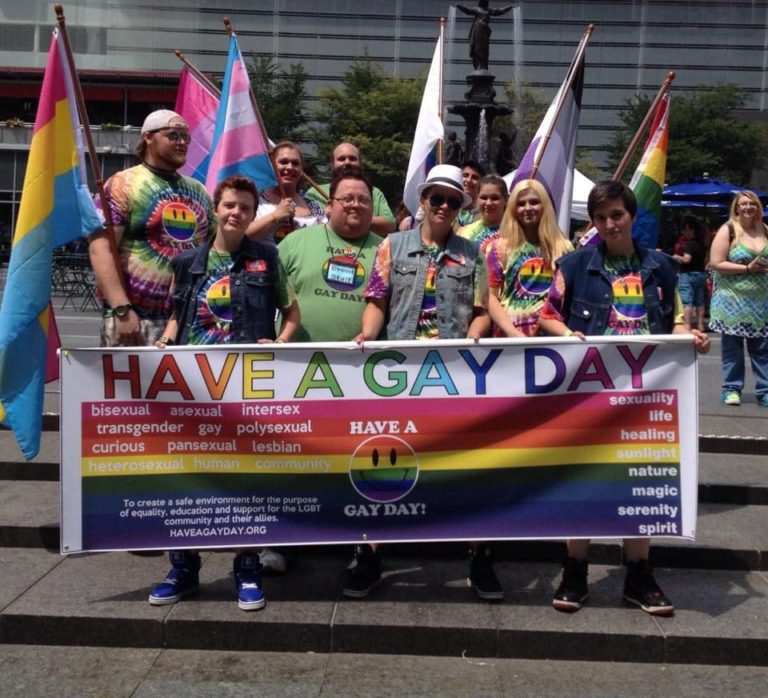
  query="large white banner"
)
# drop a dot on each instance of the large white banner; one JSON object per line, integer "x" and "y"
{"x": 204, "y": 447}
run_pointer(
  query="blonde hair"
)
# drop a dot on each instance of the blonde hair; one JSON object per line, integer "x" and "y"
{"x": 734, "y": 216}
{"x": 552, "y": 242}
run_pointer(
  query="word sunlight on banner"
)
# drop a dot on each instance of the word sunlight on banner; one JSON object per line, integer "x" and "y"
{"x": 283, "y": 445}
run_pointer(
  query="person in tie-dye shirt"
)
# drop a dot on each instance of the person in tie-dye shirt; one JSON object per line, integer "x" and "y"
{"x": 227, "y": 291}
{"x": 157, "y": 214}
{"x": 616, "y": 287}
{"x": 428, "y": 283}
{"x": 521, "y": 260}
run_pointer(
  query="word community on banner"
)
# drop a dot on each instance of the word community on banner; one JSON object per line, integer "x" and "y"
{"x": 240, "y": 446}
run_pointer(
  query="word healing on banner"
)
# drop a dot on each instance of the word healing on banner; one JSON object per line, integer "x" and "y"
{"x": 242, "y": 446}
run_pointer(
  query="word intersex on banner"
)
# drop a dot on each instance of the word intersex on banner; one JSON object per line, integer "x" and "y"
{"x": 206, "y": 447}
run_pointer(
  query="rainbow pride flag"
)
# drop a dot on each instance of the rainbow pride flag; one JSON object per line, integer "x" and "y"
{"x": 239, "y": 146}
{"x": 199, "y": 107}
{"x": 648, "y": 180}
{"x": 56, "y": 207}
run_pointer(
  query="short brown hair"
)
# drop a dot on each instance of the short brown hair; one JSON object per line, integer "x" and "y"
{"x": 349, "y": 172}
{"x": 237, "y": 183}
{"x": 610, "y": 189}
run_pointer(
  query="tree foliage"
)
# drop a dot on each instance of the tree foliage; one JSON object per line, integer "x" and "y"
{"x": 704, "y": 136}
{"x": 377, "y": 113}
{"x": 281, "y": 96}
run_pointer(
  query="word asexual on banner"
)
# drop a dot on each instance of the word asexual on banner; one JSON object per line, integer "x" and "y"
{"x": 417, "y": 441}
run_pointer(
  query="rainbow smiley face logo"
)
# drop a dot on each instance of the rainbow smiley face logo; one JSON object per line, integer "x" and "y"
{"x": 218, "y": 299}
{"x": 628, "y": 298}
{"x": 535, "y": 277}
{"x": 179, "y": 221}
{"x": 383, "y": 469}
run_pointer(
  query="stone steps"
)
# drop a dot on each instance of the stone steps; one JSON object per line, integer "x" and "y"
{"x": 423, "y": 607}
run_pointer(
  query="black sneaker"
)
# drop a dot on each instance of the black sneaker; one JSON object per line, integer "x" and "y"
{"x": 641, "y": 589}
{"x": 363, "y": 573}
{"x": 573, "y": 590}
{"x": 482, "y": 577}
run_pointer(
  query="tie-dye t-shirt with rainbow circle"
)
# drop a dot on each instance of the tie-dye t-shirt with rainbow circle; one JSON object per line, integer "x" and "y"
{"x": 161, "y": 218}
{"x": 627, "y": 315}
{"x": 522, "y": 283}
{"x": 213, "y": 319}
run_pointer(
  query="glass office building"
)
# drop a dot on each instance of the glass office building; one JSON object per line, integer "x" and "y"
{"x": 124, "y": 52}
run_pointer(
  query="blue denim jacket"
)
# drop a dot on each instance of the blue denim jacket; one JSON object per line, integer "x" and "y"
{"x": 454, "y": 285}
{"x": 589, "y": 295}
{"x": 253, "y": 293}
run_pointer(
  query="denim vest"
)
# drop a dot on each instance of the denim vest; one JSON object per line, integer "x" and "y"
{"x": 454, "y": 285}
{"x": 589, "y": 294}
{"x": 253, "y": 293}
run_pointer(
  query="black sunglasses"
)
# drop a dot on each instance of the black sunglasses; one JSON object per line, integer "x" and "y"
{"x": 437, "y": 200}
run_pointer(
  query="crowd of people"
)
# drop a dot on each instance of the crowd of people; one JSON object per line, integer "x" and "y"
{"x": 332, "y": 263}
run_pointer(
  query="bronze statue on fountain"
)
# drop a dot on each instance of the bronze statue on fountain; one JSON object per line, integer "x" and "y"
{"x": 481, "y": 94}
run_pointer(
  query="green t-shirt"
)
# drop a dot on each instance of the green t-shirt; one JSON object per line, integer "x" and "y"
{"x": 329, "y": 275}
{"x": 380, "y": 205}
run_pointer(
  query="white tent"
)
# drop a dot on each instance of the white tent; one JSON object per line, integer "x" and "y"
{"x": 581, "y": 187}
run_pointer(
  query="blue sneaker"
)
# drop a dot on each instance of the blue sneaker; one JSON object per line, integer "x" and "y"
{"x": 731, "y": 397}
{"x": 183, "y": 579}
{"x": 247, "y": 569}
{"x": 762, "y": 401}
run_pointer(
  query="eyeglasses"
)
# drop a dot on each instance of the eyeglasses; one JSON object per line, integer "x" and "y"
{"x": 352, "y": 200}
{"x": 437, "y": 200}
{"x": 177, "y": 136}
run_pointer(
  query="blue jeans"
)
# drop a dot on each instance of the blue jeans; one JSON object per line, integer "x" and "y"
{"x": 733, "y": 362}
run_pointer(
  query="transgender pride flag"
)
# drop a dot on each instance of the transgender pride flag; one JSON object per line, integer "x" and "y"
{"x": 199, "y": 107}
{"x": 239, "y": 146}
{"x": 55, "y": 208}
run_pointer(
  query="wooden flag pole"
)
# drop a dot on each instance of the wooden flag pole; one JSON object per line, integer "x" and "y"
{"x": 644, "y": 125}
{"x": 568, "y": 83}
{"x": 93, "y": 157}
{"x": 198, "y": 74}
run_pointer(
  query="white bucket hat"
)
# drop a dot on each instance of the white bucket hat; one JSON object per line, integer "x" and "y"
{"x": 445, "y": 176}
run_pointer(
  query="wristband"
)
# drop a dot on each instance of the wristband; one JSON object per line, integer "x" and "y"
{"x": 165, "y": 339}
{"x": 568, "y": 333}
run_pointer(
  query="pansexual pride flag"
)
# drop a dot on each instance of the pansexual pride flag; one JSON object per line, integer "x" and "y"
{"x": 56, "y": 208}
{"x": 648, "y": 180}
{"x": 199, "y": 107}
{"x": 239, "y": 146}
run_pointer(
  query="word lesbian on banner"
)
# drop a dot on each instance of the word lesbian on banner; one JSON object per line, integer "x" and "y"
{"x": 299, "y": 444}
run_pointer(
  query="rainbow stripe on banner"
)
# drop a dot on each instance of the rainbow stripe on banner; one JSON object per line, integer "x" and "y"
{"x": 56, "y": 208}
{"x": 239, "y": 146}
{"x": 648, "y": 180}
{"x": 199, "y": 107}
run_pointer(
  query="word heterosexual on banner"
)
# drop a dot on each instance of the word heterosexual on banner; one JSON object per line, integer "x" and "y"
{"x": 233, "y": 445}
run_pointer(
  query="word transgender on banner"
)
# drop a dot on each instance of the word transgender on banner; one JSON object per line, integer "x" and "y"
{"x": 270, "y": 445}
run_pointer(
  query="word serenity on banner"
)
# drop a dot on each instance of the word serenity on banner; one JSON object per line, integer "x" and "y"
{"x": 234, "y": 446}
